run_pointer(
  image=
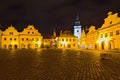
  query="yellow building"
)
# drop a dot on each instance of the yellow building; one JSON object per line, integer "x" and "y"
{"x": 83, "y": 40}
{"x": 50, "y": 41}
{"x": 67, "y": 40}
{"x": 10, "y": 38}
{"x": 28, "y": 38}
{"x": 0, "y": 39}
{"x": 106, "y": 37}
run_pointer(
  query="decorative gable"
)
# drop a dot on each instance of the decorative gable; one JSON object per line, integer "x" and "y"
{"x": 111, "y": 19}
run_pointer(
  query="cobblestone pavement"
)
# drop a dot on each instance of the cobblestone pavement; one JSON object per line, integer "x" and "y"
{"x": 58, "y": 65}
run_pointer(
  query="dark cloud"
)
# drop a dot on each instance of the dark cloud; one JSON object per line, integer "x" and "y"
{"x": 47, "y": 14}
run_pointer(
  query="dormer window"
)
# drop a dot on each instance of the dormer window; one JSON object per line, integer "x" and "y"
{"x": 32, "y": 32}
{"x": 110, "y": 22}
{"x": 28, "y": 32}
{"x": 11, "y": 33}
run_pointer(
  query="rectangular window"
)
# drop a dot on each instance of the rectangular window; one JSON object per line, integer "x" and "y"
{"x": 15, "y": 39}
{"x": 26, "y": 39}
{"x": 32, "y": 32}
{"x": 11, "y": 39}
{"x": 117, "y": 32}
{"x": 61, "y": 45}
{"x": 46, "y": 41}
{"x": 22, "y": 39}
{"x": 73, "y": 45}
{"x": 32, "y": 39}
{"x": 5, "y": 39}
{"x": 28, "y": 32}
{"x": 66, "y": 39}
{"x": 69, "y": 46}
{"x": 73, "y": 39}
{"x": 11, "y": 33}
{"x": 111, "y": 33}
{"x": 37, "y": 39}
{"x": 106, "y": 35}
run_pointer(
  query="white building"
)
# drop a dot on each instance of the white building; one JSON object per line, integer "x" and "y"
{"x": 77, "y": 29}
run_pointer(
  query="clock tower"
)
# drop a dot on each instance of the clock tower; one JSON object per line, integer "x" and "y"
{"x": 77, "y": 29}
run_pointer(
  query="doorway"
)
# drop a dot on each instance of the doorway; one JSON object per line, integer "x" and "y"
{"x": 102, "y": 45}
{"x": 111, "y": 45}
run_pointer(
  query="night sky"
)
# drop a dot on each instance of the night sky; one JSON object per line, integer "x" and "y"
{"x": 46, "y": 15}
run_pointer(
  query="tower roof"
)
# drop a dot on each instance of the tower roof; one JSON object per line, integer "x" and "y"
{"x": 54, "y": 33}
{"x": 77, "y": 22}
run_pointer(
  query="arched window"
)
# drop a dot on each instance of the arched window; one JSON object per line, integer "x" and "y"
{"x": 4, "y": 46}
{"x": 22, "y": 46}
{"x": 10, "y": 47}
{"x": 29, "y": 46}
{"x": 15, "y": 46}
{"x": 95, "y": 46}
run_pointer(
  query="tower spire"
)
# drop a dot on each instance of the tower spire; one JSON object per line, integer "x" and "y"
{"x": 60, "y": 32}
{"x": 77, "y": 22}
{"x": 54, "y": 33}
{"x": 77, "y": 17}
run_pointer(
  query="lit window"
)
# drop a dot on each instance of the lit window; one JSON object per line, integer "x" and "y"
{"x": 66, "y": 39}
{"x": 11, "y": 39}
{"x": 69, "y": 46}
{"x": 15, "y": 39}
{"x": 32, "y": 39}
{"x": 26, "y": 39}
{"x": 22, "y": 39}
{"x": 73, "y": 45}
{"x": 11, "y": 33}
{"x": 105, "y": 34}
{"x": 5, "y": 39}
{"x": 111, "y": 33}
{"x": 117, "y": 32}
{"x": 32, "y": 32}
{"x": 110, "y": 22}
{"x": 73, "y": 39}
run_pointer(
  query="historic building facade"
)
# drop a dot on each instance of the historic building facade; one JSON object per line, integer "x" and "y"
{"x": 50, "y": 41}
{"x": 0, "y": 39}
{"x": 77, "y": 30}
{"x": 28, "y": 38}
{"x": 10, "y": 38}
{"x": 106, "y": 37}
{"x": 67, "y": 40}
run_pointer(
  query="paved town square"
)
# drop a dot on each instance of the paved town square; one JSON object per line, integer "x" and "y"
{"x": 55, "y": 64}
